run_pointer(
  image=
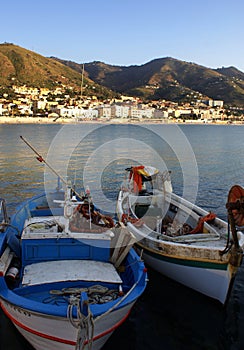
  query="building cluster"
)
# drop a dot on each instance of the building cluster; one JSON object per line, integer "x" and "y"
{"x": 42, "y": 102}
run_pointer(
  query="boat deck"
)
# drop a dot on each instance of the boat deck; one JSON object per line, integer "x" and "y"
{"x": 42, "y": 227}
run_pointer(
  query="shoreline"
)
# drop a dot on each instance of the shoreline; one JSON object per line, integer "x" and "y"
{"x": 6, "y": 120}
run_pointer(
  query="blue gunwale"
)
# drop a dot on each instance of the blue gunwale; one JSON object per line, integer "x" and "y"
{"x": 14, "y": 298}
{"x": 137, "y": 274}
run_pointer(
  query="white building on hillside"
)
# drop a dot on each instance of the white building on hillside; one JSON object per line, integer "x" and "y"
{"x": 104, "y": 111}
{"x": 160, "y": 114}
{"x": 78, "y": 113}
{"x": 119, "y": 111}
{"x": 136, "y": 112}
{"x": 182, "y": 112}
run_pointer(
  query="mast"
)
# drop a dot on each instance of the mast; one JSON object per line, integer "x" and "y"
{"x": 82, "y": 82}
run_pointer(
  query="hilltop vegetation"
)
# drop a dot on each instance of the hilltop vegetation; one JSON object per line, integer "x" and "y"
{"x": 172, "y": 79}
{"x": 19, "y": 66}
{"x": 163, "y": 78}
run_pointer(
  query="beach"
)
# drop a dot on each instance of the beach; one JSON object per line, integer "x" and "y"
{"x": 62, "y": 120}
{"x": 33, "y": 120}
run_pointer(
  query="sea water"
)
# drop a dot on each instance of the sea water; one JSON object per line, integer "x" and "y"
{"x": 204, "y": 160}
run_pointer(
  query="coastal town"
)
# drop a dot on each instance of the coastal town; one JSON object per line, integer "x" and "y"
{"x": 42, "y": 105}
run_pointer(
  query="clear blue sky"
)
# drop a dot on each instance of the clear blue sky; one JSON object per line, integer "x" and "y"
{"x": 128, "y": 32}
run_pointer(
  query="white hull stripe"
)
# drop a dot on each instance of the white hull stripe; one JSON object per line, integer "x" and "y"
{"x": 59, "y": 340}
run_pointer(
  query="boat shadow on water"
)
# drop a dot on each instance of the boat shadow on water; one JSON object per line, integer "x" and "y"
{"x": 10, "y": 337}
{"x": 170, "y": 316}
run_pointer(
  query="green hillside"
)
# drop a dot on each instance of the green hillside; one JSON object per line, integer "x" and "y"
{"x": 163, "y": 78}
{"x": 169, "y": 78}
{"x": 19, "y": 66}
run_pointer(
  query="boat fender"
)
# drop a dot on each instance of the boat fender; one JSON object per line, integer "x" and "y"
{"x": 121, "y": 292}
{"x": 12, "y": 273}
{"x": 68, "y": 211}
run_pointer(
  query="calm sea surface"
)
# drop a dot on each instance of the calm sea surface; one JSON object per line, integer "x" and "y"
{"x": 205, "y": 161}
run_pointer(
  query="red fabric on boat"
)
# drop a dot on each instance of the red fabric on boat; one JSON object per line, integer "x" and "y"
{"x": 199, "y": 227}
{"x": 137, "y": 178}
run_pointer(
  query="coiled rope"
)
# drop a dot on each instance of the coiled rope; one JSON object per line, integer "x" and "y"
{"x": 84, "y": 324}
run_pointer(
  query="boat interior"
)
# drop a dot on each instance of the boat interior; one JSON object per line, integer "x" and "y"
{"x": 169, "y": 217}
{"x": 54, "y": 263}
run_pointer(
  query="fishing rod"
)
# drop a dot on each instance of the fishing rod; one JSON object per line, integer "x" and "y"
{"x": 42, "y": 160}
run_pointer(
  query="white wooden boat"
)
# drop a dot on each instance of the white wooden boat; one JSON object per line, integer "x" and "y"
{"x": 66, "y": 282}
{"x": 179, "y": 239}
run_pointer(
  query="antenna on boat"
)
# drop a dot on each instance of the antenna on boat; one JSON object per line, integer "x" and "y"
{"x": 42, "y": 160}
{"x": 82, "y": 81}
{"x": 88, "y": 194}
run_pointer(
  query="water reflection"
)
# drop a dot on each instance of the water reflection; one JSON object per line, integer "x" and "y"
{"x": 168, "y": 315}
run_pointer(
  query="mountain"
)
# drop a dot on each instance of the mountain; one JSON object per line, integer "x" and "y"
{"x": 231, "y": 72}
{"x": 19, "y": 66}
{"x": 170, "y": 79}
{"x": 163, "y": 78}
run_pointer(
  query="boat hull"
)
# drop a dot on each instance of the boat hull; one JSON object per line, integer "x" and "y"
{"x": 203, "y": 259}
{"x": 212, "y": 280}
{"x": 52, "y": 333}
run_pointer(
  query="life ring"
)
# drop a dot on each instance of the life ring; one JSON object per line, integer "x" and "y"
{"x": 236, "y": 195}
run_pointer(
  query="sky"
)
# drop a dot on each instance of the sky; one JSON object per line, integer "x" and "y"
{"x": 128, "y": 32}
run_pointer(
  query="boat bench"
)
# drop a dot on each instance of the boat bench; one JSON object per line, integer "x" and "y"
{"x": 63, "y": 270}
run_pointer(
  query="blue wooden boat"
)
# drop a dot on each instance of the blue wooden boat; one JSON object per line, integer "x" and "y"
{"x": 66, "y": 284}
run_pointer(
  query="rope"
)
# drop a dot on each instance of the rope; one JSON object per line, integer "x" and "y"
{"x": 85, "y": 330}
{"x": 73, "y": 301}
{"x": 85, "y": 325}
{"x": 118, "y": 303}
{"x": 228, "y": 245}
{"x": 67, "y": 291}
{"x": 76, "y": 290}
